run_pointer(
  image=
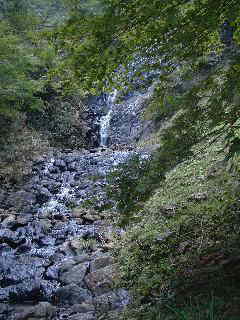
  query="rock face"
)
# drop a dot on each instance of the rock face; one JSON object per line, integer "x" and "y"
{"x": 123, "y": 123}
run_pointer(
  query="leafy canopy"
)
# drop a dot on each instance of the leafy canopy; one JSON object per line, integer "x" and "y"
{"x": 25, "y": 57}
{"x": 186, "y": 40}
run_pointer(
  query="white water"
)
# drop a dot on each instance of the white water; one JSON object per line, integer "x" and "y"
{"x": 105, "y": 120}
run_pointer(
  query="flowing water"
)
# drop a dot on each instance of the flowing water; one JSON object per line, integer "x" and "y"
{"x": 105, "y": 120}
{"x": 54, "y": 260}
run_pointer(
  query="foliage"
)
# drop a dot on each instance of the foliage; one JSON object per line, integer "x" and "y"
{"x": 60, "y": 121}
{"x": 19, "y": 145}
{"x": 184, "y": 241}
{"x": 26, "y": 59}
{"x": 17, "y": 87}
{"x": 130, "y": 184}
{"x": 186, "y": 40}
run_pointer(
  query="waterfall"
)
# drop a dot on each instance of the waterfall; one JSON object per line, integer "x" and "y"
{"x": 105, "y": 120}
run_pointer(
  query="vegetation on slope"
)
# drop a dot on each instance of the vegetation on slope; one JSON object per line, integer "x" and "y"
{"x": 180, "y": 253}
{"x": 34, "y": 112}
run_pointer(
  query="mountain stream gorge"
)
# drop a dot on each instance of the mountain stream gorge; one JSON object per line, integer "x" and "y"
{"x": 55, "y": 261}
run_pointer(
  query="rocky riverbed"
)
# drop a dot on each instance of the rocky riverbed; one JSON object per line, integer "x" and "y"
{"x": 55, "y": 257}
{"x": 55, "y": 261}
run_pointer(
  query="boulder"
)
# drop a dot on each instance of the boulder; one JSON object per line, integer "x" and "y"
{"x": 100, "y": 281}
{"x": 73, "y": 294}
{"x": 75, "y": 274}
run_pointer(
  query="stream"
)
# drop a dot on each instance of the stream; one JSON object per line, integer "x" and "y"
{"x": 55, "y": 261}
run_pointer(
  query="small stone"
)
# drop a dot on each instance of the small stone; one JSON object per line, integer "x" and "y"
{"x": 79, "y": 220}
{"x": 200, "y": 196}
{"x": 106, "y": 302}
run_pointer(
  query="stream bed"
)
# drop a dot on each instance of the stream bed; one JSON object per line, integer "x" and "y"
{"x": 55, "y": 261}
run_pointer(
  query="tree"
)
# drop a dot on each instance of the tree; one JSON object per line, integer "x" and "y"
{"x": 25, "y": 57}
{"x": 186, "y": 40}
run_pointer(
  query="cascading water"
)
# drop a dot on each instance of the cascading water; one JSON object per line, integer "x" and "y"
{"x": 42, "y": 260}
{"x": 105, "y": 120}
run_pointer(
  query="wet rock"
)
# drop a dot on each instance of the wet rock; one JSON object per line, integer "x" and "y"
{"x": 72, "y": 166}
{"x": 76, "y": 274}
{"x": 82, "y": 258}
{"x": 73, "y": 294}
{"x": 48, "y": 289}
{"x": 43, "y": 195}
{"x": 67, "y": 264}
{"x": 91, "y": 217}
{"x": 85, "y": 316}
{"x": 3, "y": 196}
{"x": 9, "y": 237}
{"x": 47, "y": 241}
{"x": 54, "y": 169}
{"x": 8, "y": 221}
{"x": 6, "y": 250}
{"x": 52, "y": 272}
{"x": 45, "y": 253}
{"x": 60, "y": 163}
{"x": 44, "y": 309}
{"x": 4, "y": 311}
{"x": 23, "y": 220}
{"x": 27, "y": 290}
{"x": 15, "y": 270}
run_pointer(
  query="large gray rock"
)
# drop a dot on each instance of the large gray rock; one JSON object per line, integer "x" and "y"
{"x": 42, "y": 311}
{"x": 73, "y": 294}
{"x": 76, "y": 274}
{"x": 100, "y": 281}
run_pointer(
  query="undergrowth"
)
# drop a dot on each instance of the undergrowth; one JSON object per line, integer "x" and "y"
{"x": 180, "y": 254}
